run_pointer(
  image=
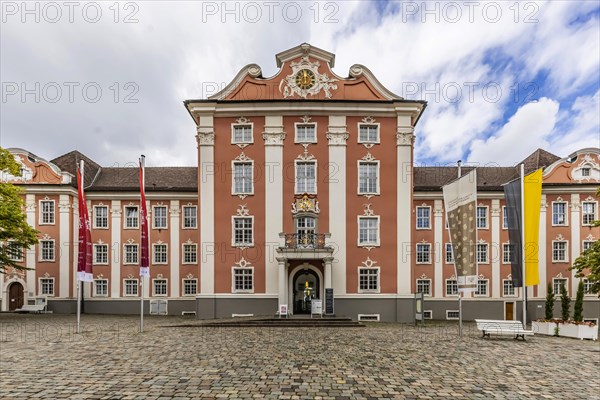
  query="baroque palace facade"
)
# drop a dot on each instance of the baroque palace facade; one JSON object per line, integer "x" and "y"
{"x": 305, "y": 182}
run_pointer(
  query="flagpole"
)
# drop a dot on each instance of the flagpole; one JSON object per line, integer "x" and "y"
{"x": 79, "y": 285}
{"x": 143, "y": 164}
{"x": 523, "y": 286}
{"x": 460, "y": 294}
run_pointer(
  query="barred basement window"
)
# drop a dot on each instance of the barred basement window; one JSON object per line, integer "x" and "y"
{"x": 508, "y": 287}
{"x": 101, "y": 287}
{"x": 131, "y": 217}
{"x": 482, "y": 253}
{"x": 559, "y": 213}
{"x": 557, "y": 283}
{"x": 131, "y": 254}
{"x": 47, "y": 286}
{"x": 243, "y": 279}
{"x": 368, "y": 279}
{"x": 47, "y": 212}
{"x": 101, "y": 254}
{"x": 190, "y": 287}
{"x": 449, "y": 253}
{"x": 159, "y": 217}
{"x": 451, "y": 287}
{"x": 242, "y": 231}
{"x": 159, "y": 254}
{"x": 423, "y": 253}
{"x": 452, "y": 314}
{"x": 159, "y": 287}
{"x": 100, "y": 217}
{"x": 47, "y": 250}
{"x": 482, "y": 217}
{"x": 588, "y": 213}
{"x": 131, "y": 287}
{"x": 424, "y": 286}
{"x": 190, "y": 253}
{"x": 423, "y": 217}
{"x": 190, "y": 217}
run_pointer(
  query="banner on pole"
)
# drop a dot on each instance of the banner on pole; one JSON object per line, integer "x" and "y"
{"x": 84, "y": 260}
{"x": 144, "y": 259}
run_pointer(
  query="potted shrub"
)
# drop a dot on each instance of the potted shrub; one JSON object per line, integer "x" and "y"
{"x": 547, "y": 326}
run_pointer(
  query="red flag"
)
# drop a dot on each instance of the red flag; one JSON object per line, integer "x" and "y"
{"x": 144, "y": 265}
{"x": 84, "y": 262}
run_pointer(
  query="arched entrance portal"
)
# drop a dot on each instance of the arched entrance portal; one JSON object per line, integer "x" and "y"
{"x": 306, "y": 287}
{"x": 15, "y": 296}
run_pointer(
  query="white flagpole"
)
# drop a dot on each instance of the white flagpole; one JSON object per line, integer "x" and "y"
{"x": 460, "y": 293}
{"x": 143, "y": 162}
{"x": 523, "y": 287}
{"x": 79, "y": 284}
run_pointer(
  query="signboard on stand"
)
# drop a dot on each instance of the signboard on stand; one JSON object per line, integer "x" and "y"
{"x": 329, "y": 301}
{"x": 316, "y": 308}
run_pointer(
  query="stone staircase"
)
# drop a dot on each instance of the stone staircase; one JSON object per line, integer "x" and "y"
{"x": 276, "y": 322}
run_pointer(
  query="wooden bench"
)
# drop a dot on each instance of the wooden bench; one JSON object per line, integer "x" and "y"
{"x": 489, "y": 326}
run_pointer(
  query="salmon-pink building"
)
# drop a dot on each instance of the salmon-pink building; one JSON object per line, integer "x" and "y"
{"x": 305, "y": 188}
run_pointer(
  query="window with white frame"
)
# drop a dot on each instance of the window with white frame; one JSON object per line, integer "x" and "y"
{"x": 482, "y": 253}
{"x": 243, "y": 178}
{"x": 100, "y": 217}
{"x": 508, "y": 287}
{"x": 131, "y": 217}
{"x": 100, "y": 254}
{"x": 482, "y": 287}
{"x": 508, "y": 251}
{"x": 46, "y": 250}
{"x": 482, "y": 219}
{"x": 159, "y": 217}
{"x": 368, "y": 231}
{"x": 130, "y": 287}
{"x": 586, "y": 171}
{"x": 587, "y": 286}
{"x": 159, "y": 287}
{"x": 243, "y": 279}
{"x": 424, "y": 286}
{"x": 190, "y": 217}
{"x": 559, "y": 251}
{"x": 243, "y": 231}
{"x": 368, "y": 133}
{"x": 368, "y": 279}
{"x": 242, "y": 134}
{"x": 306, "y": 177}
{"x": 423, "y": 217}
{"x": 190, "y": 287}
{"x": 306, "y": 133}
{"x": 559, "y": 213}
{"x": 423, "y": 253}
{"x": 368, "y": 181}
{"x": 130, "y": 254}
{"x": 451, "y": 287}
{"x": 586, "y": 244}
{"x": 449, "y": 254}
{"x": 101, "y": 287}
{"x": 190, "y": 253}
{"x": 557, "y": 283}
{"x": 306, "y": 227}
{"x": 47, "y": 212}
{"x": 588, "y": 213}
{"x": 452, "y": 314}
{"x": 504, "y": 218}
{"x": 47, "y": 286}
{"x": 13, "y": 251}
{"x": 159, "y": 253}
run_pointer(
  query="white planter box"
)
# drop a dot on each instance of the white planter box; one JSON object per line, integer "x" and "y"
{"x": 543, "y": 328}
{"x": 578, "y": 331}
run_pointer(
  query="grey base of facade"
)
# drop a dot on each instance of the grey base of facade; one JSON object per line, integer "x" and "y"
{"x": 120, "y": 307}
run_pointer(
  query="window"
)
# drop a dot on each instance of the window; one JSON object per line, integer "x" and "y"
{"x": 504, "y": 218}
{"x": 159, "y": 217}
{"x": 13, "y": 251}
{"x": 47, "y": 286}
{"x": 159, "y": 253}
{"x": 243, "y": 279}
{"x": 559, "y": 251}
{"x": 588, "y": 212}
{"x": 306, "y": 133}
{"x": 482, "y": 287}
{"x": 306, "y": 177}
{"x": 557, "y": 283}
{"x": 47, "y": 250}
{"x": 368, "y": 279}
{"x": 368, "y": 182}
{"x": 305, "y": 231}
{"x": 449, "y": 253}
{"x": 482, "y": 253}
{"x": 101, "y": 287}
{"x": 242, "y": 134}
{"x": 586, "y": 171}
{"x": 368, "y": 231}
{"x": 242, "y": 231}
{"x": 190, "y": 287}
{"x": 451, "y": 287}
{"x": 368, "y": 133}
{"x": 159, "y": 287}
{"x": 559, "y": 213}
{"x": 242, "y": 178}
{"x": 508, "y": 287}
{"x": 131, "y": 287}
{"x": 131, "y": 217}
{"x": 47, "y": 212}
{"x": 586, "y": 244}
{"x": 131, "y": 254}
{"x": 424, "y": 286}
{"x": 101, "y": 254}
{"x": 423, "y": 253}
{"x": 482, "y": 217}
{"x": 190, "y": 254}
{"x": 452, "y": 314}
{"x": 423, "y": 217}
{"x": 100, "y": 217}
{"x": 190, "y": 217}
{"x": 508, "y": 251}
{"x": 587, "y": 287}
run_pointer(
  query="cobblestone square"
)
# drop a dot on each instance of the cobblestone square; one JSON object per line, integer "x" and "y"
{"x": 41, "y": 357}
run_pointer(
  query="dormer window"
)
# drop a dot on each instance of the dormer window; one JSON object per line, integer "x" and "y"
{"x": 586, "y": 172}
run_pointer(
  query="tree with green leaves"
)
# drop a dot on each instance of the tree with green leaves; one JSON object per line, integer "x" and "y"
{"x": 565, "y": 303}
{"x": 550, "y": 302}
{"x": 15, "y": 233}
{"x": 578, "y": 309}
{"x": 587, "y": 265}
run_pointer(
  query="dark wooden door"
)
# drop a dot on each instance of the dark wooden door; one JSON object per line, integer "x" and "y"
{"x": 15, "y": 296}
{"x": 509, "y": 316}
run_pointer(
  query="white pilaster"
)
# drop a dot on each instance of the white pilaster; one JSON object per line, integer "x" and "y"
{"x": 115, "y": 251}
{"x": 542, "y": 250}
{"x": 206, "y": 158}
{"x": 575, "y": 221}
{"x": 64, "y": 239}
{"x": 282, "y": 273}
{"x": 337, "y": 136}
{"x": 30, "y": 206}
{"x": 438, "y": 212}
{"x": 174, "y": 248}
{"x": 273, "y": 137}
{"x": 404, "y": 168}
{"x": 327, "y": 266}
{"x": 496, "y": 249}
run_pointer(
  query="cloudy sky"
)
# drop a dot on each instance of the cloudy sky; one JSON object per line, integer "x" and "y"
{"x": 501, "y": 78}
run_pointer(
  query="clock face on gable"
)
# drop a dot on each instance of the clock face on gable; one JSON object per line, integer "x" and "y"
{"x": 305, "y": 79}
